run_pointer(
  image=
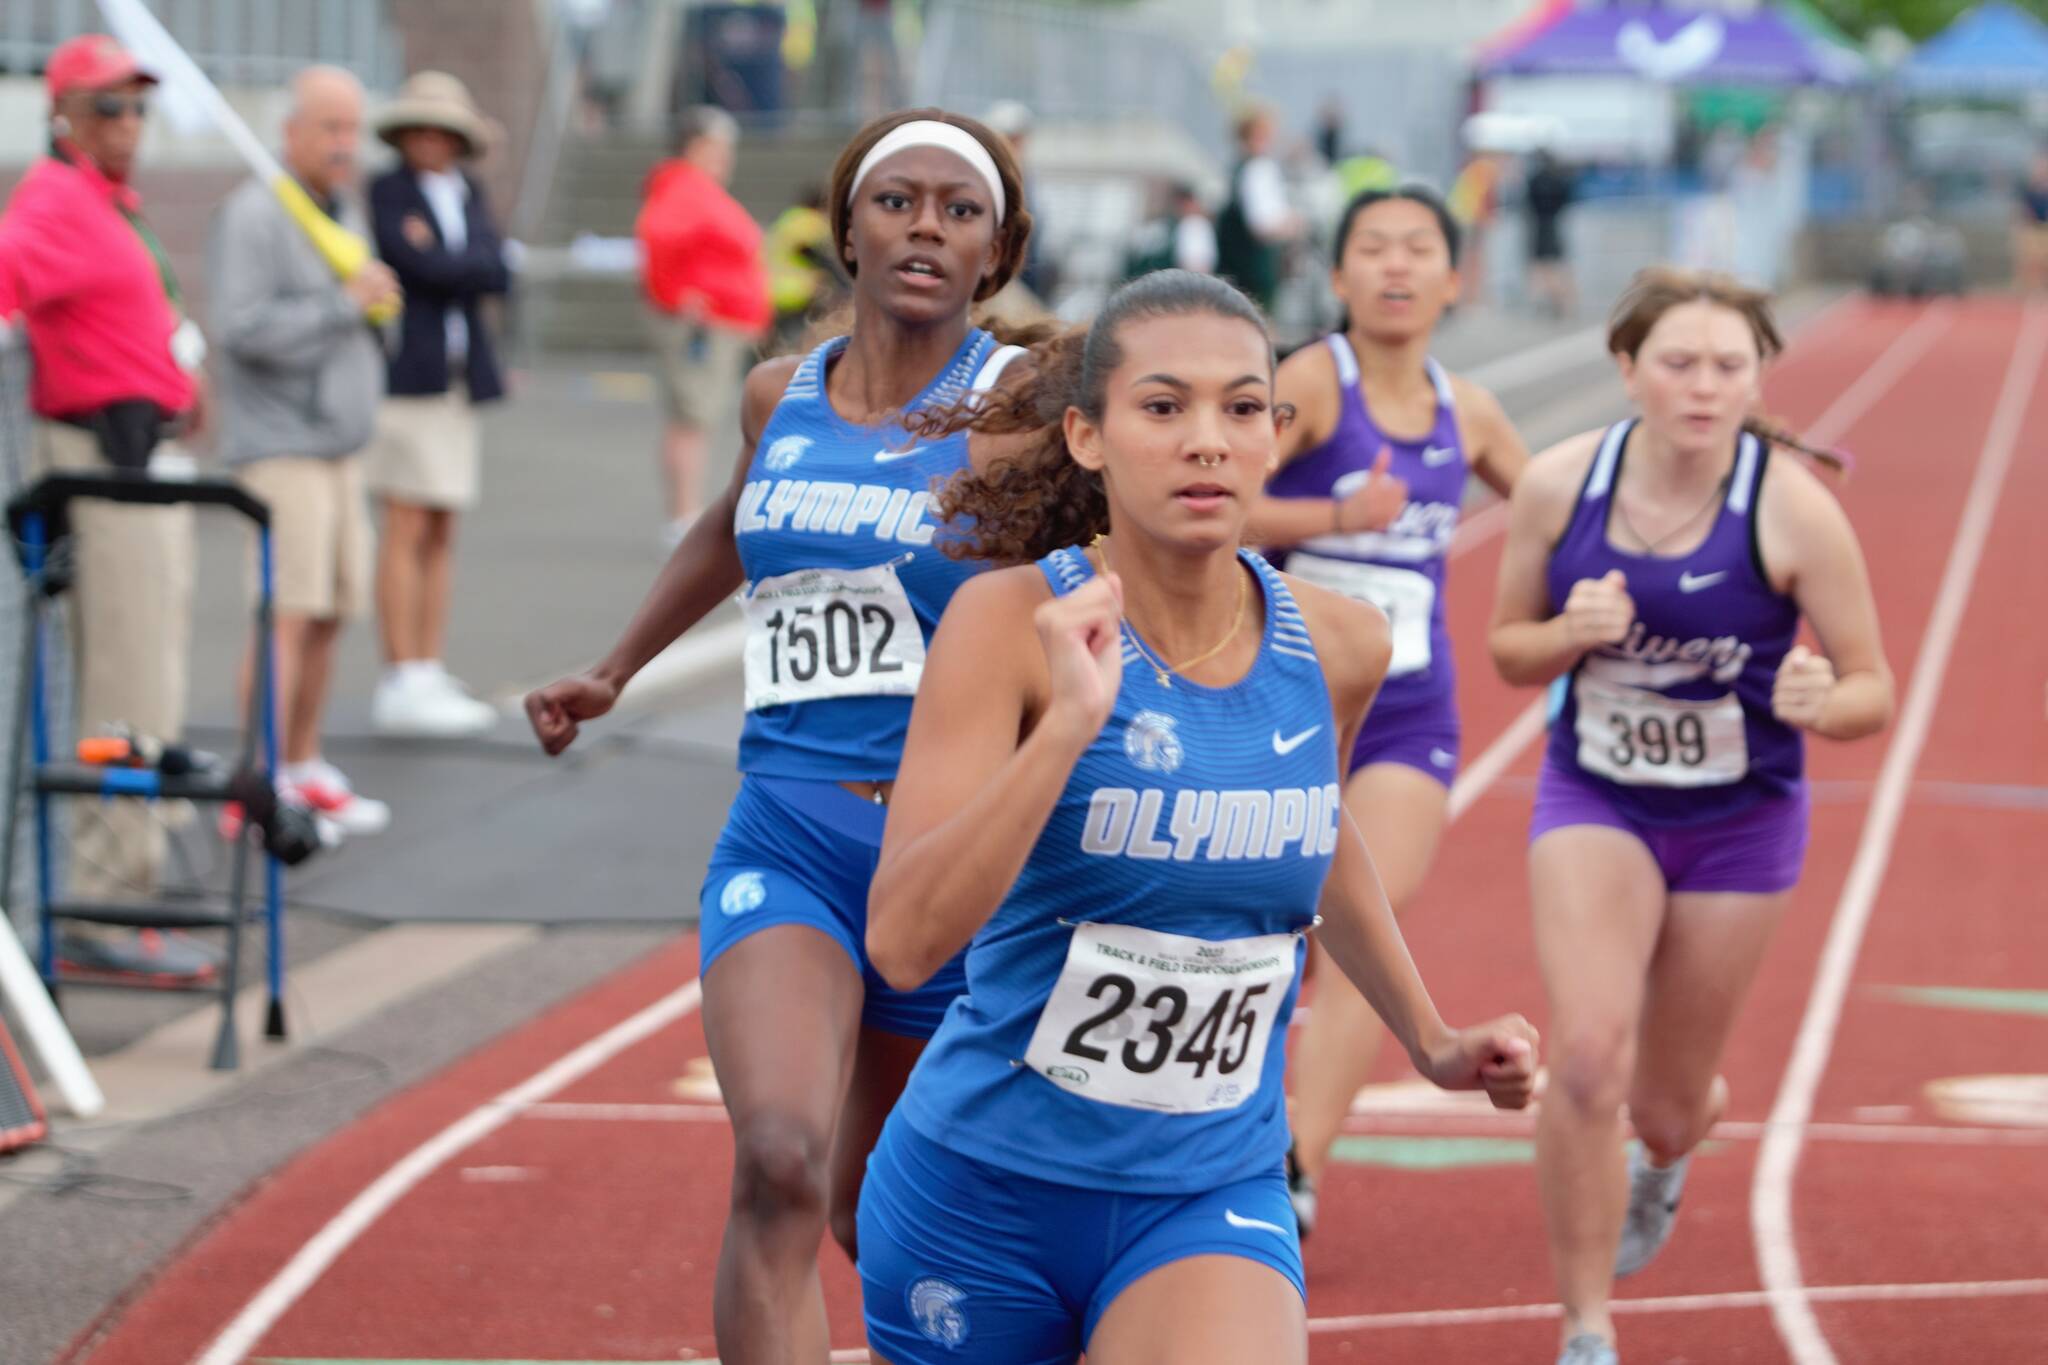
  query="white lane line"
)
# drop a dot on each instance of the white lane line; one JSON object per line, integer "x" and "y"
{"x": 1409, "y": 1125}
{"x": 1884, "y": 372}
{"x": 320, "y": 1251}
{"x": 1686, "y": 1303}
{"x": 1542, "y": 360}
{"x": 1486, "y": 769}
{"x": 627, "y": 1113}
{"x": 1778, "y": 1159}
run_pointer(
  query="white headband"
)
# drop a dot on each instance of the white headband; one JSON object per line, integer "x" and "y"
{"x": 944, "y": 136}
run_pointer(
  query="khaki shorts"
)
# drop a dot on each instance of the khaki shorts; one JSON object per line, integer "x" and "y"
{"x": 426, "y": 450}
{"x": 321, "y": 546}
{"x": 700, "y": 371}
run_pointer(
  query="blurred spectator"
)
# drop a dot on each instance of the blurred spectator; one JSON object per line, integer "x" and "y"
{"x": 1182, "y": 237}
{"x": 301, "y": 373}
{"x": 801, "y": 275}
{"x": 1257, "y": 222}
{"x": 1546, "y": 194}
{"x": 1012, "y": 120}
{"x": 1475, "y": 202}
{"x": 1330, "y": 130}
{"x": 707, "y": 290}
{"x": 115, "y": 366}
{"x": 1369, "y": 170}
{"x": 876, "y": 59}
{"x": 2030, "y": 230}
{"x": 434, "y": 229}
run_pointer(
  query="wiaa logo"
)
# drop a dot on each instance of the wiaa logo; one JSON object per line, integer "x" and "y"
{"x": 1150, "y": 741}
{"x": 935, "y": 1306}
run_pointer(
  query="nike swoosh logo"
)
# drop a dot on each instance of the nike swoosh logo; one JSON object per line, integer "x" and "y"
{"x": 1238, "y": 1220}
{"x": 1284, "y": 747}
{"x": 1691, "y": 582}
{"x": 1443, "y": 758}
{"x": 1437, "y": 455}
{"x": 891, "y": 456}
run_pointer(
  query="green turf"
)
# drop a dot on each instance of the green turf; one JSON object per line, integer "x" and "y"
{"x": 1982, "y": 999}
{"x": 1432, "y": 1153}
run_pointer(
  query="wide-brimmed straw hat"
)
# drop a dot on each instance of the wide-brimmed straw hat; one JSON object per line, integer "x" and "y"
{"x": 435, "y": 99}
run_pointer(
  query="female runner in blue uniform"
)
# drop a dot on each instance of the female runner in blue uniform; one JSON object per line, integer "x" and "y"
{"x": 828, "y": 520}
{"x": 1658, "y": 571}
{"x": 1121, "y": 783}
{"x": 1371, "y": 481}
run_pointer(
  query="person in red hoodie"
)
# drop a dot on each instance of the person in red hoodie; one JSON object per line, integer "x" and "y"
{"x": 707, "y": 292}
{"x": 115, "y": 374}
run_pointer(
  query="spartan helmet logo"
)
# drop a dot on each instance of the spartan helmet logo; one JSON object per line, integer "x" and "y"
{"x": 1150, "y": 742}
{"x": 744, "y": 892}
{"x": 935, "y": 1307}
{"x": 784, "y": 454}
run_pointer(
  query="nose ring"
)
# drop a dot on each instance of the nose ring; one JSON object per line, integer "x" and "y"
{"x": 1208, "y": 461}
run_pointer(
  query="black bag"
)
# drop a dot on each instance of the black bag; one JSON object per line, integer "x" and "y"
{"x": 128, "y": 431}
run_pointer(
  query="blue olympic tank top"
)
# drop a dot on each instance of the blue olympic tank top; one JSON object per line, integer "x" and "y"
{"x": 1400, "y": 569}
{"x": 1675, "y": 722}
{"x": 846, "y": 572}
{"x": 1197, "y": 817}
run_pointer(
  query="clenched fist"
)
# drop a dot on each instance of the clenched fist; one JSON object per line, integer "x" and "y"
{"x": 1800, "y": 692}
{"x": 1082, "y": 635}
{"x": 1599, "y": 610}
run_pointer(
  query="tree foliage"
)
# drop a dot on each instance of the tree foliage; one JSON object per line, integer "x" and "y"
{"x": 1917, "y": 19}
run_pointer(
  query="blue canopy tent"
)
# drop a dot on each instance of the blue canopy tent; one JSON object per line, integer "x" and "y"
{"x": 1996, "y": 50}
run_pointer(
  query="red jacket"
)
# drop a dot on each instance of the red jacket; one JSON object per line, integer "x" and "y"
{"x": 99, "y": 319}
{"x": 697, "y": 240}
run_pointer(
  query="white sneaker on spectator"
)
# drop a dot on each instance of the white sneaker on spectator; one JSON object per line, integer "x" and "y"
{"x": 416, "y": 699}
{"x": 322, "y": 788}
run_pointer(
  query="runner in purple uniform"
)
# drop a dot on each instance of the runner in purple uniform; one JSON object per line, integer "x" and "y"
{"x": 1372, "y": 479}
{"x": 1657, "y": 572}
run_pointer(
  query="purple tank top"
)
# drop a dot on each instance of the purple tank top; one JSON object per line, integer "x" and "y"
{"x": 1401, "y": 569}
{"x": 1675, "y": 721}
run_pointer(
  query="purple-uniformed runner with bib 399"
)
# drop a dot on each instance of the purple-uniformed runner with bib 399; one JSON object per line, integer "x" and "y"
{"x": 1655, "y": 575}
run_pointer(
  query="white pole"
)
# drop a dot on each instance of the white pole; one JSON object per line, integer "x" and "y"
{"x": 52, "y": 1041}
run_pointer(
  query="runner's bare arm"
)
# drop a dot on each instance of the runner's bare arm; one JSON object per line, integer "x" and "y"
{"x": 1358, "y": 927}
{"x": 1307, "y": 380}
{"x": 1493, "y": 447}
{"x": 971, "y": 797}
{"x": 703, "y": 571}
{"x": 1805, "y": 536}
{"x": 1532, "y": 642}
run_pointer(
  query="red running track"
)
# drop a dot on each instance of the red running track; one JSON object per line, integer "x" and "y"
{"x": 558, "y": 1195}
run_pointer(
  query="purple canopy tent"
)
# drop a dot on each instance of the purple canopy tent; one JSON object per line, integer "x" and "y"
{"x": 1670, "y": 44}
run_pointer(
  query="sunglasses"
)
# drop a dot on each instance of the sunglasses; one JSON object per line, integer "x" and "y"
{"x": 115, "y": 106}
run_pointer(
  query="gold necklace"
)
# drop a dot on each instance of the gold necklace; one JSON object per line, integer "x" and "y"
{"x": 1160, "y": 668}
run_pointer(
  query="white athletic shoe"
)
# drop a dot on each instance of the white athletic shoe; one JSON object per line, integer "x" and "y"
{"x": 426, "y": 702}
{"x": 1588, "y": 1348}
{"x": 1652, "y": 1209}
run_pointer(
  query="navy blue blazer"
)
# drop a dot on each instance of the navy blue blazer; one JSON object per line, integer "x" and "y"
{"x": 436, "y": 279}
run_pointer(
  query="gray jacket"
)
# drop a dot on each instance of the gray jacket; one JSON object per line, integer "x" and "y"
{"x": 300, "y": 371}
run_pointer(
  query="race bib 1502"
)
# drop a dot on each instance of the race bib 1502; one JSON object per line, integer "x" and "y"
{"x": 831, "y": 633}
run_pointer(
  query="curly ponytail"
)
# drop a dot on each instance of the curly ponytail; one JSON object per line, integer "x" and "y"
{"x": 1030, "y": 503}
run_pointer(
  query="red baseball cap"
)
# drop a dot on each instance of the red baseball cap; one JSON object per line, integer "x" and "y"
{"x": 91, "y": 61}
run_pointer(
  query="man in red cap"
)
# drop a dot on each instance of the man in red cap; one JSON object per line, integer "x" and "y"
{"x": 116, "y": 372}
